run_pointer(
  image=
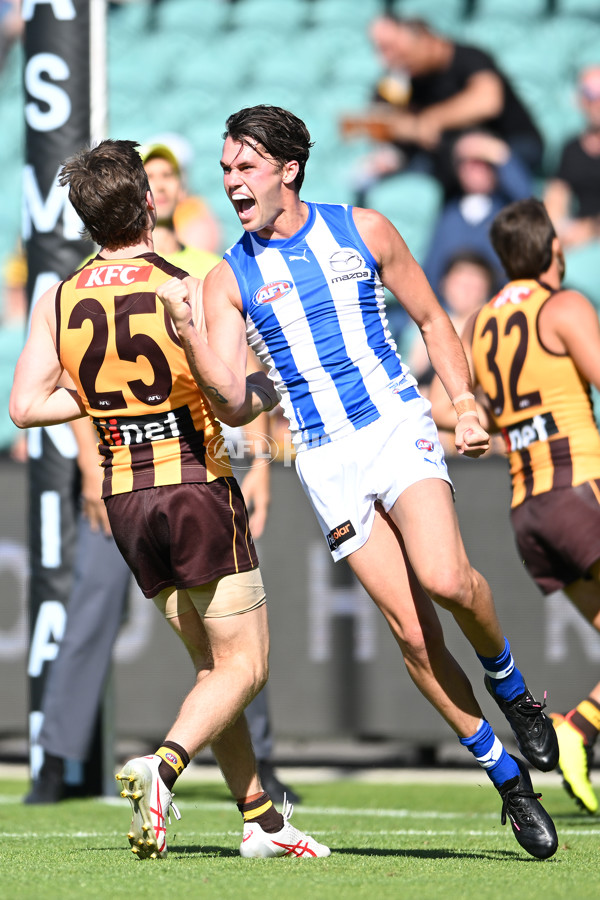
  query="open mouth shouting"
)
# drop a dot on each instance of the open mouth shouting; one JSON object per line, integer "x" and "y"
{"x": 244, "y": 206}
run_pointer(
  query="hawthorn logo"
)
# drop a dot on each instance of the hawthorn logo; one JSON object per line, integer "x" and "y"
{"x": 340, "y": 534}
{"x": 272, "y": 291}
{"x": 242, "y": 450}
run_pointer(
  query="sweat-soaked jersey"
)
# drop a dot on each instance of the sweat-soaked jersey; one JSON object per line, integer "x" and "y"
{"x": 117, "y": 342}
{"x": 536, "y": 397}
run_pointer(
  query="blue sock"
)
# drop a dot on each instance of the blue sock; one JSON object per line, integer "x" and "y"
{"x": 491, "y": 755}
{"x": 505, "y": 679}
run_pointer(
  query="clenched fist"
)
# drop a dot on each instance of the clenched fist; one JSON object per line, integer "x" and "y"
{"x": 470, "y": 438}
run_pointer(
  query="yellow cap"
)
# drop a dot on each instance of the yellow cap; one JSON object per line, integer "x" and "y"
{"x": 160, "y": 151}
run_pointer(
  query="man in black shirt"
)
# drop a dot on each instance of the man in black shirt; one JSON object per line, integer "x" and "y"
{"x": 434, "y": 90}
{"x": 572, "y": 196}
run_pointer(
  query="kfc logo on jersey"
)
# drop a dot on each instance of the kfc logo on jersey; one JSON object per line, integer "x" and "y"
{"x": 340, "y": 534}
{"x": 514, "y": 294}
{"x": 346, "y": 260}
{"x": 113, "y": 274}
{"x": 423, "y": 444}
{"x": 272, "y": 291}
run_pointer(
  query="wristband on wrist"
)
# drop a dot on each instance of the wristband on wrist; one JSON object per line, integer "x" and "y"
{"x": 464, "y": 403}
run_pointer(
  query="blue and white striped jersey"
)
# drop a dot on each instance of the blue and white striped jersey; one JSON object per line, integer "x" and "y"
{"x": 315, "y": 315}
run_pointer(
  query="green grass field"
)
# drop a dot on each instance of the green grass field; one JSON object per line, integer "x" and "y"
{"x": 405, "y": 841}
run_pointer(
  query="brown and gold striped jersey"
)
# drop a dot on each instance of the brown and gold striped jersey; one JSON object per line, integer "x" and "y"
{"x": 117, "y": 342}
{"x": 537, "y": 398}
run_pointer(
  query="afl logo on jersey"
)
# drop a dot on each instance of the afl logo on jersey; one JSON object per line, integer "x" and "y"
{"x": 423, "y": 444}
{"x": 346, "y": 260}
{"x": 272, "y": 291}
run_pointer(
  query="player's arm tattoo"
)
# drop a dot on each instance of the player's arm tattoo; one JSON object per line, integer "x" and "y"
{"x": 209, "y": 389}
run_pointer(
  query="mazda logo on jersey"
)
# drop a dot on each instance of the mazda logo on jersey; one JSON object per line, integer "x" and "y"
{"x": 272, "y": 291}
{"x": 346, "y": 260}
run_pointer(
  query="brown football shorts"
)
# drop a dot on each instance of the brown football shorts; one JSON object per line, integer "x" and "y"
{"x": 558, "y": 534}
{"x": 182, "y": 535}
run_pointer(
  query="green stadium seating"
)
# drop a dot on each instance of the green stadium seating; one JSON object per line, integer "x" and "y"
{"x": 586, "y": 8}
{"x": 583, "y": 265}
{"x": 282, "y": 18}
{"x": 511, "y": 9}
{"x": 184, "y": 65}
{"x": 411, "y": 202}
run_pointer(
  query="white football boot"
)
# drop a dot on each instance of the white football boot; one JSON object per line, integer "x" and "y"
{"x": 259, "y": 844}
{"x": 151, "y": 802}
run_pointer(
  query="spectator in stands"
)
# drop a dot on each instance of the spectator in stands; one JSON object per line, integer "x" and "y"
{"x": 572, "y": 196}
{"x": 192, "y": 223}
{"x": 433, "y": 90}
{"x": 489, "y": 175}
{"x": 11, "y": 27}
{"x": 165, "y": 175}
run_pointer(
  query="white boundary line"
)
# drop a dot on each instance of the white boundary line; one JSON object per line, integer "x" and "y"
{"x": 318, "y": 774}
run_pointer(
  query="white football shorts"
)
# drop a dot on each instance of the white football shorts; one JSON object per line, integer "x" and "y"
{"x": 344, "y": 478}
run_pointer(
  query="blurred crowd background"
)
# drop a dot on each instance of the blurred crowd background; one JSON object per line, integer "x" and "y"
{"x": 177, "y": 68}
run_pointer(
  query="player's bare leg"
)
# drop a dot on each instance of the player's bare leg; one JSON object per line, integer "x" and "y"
{"x": 414, "y": 622}
{"x": 230, "y": 655}
{"x": 425, "y": 515}
{"x": 415, "y": 625}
